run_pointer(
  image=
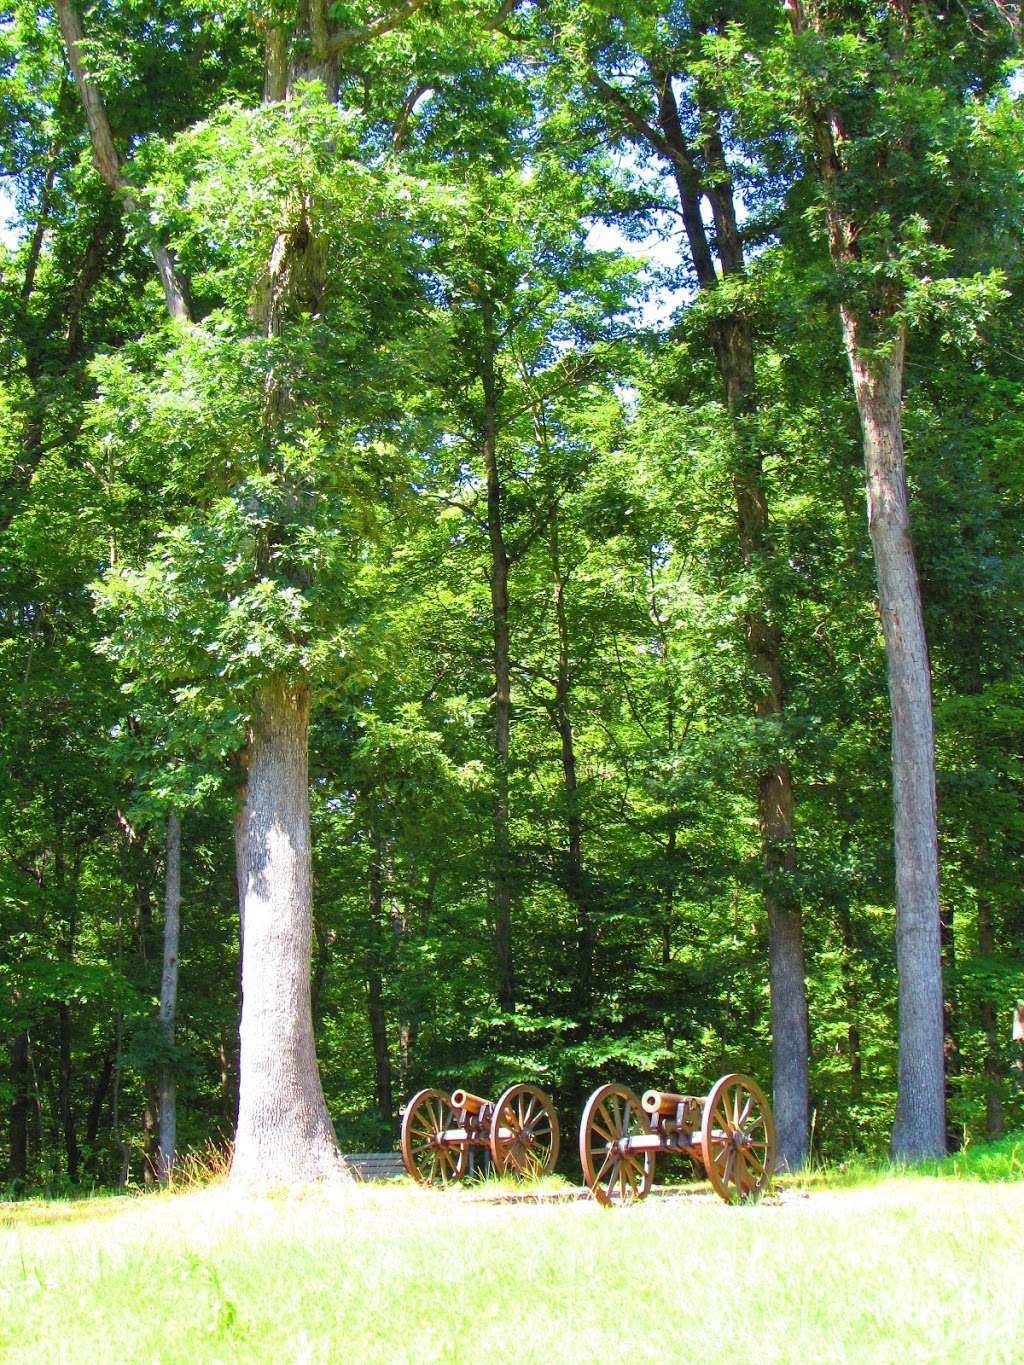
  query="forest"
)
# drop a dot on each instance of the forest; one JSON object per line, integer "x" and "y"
{"x": 512, "y": 569}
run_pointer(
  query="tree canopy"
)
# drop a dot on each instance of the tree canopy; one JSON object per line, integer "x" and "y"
{"x": 433, "y": 451}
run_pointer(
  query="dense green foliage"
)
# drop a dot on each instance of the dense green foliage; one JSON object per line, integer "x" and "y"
{"x": 165, "y": 544}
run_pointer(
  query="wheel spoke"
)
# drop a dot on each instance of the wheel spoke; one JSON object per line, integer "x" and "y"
{"x": 607, "y": 1131}
{"x": 612, "y": 1179}
{"x": 730, "y": 1162}
{"x": 633, "y": 1165}
{"x": 599, "y": 1172}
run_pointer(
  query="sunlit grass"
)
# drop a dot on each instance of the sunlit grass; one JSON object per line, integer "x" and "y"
{"x": 1002, "y": 1160}
{"x": 880, "y": 1267}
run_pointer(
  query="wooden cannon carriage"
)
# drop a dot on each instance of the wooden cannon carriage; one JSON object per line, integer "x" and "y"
{"x": 729, "y": 1132}
{"x": 519, "y": 1131}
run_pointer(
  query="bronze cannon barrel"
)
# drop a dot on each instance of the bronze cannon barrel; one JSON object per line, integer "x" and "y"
{"x": 664, "y": 1101}
{"x": 462, "y": 1099}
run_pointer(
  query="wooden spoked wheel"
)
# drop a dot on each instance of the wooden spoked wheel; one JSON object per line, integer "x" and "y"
{"x": 428, "y": 1116}
{"x": 737, "y": 1138}
{"x": 524, "y": 1133}
{"x": 614, "y": 1174}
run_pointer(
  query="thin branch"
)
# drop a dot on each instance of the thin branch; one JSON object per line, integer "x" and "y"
{"x": 106, "y": 159}
{"x": 401, "y": 128}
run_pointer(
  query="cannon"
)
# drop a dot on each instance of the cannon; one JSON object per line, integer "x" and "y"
{"x": 729, "y": 1132}
{"x": 519, "y": 1131}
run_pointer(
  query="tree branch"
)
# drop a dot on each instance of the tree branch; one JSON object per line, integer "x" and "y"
{"x": 353, "y": 37}
{"x": 613, "y": 95}
{"x": 496, "y": 21}
{"x": 401, "y": 129}
{"x": 105, "y": 157}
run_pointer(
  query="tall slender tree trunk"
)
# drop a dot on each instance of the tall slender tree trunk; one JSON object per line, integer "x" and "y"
{"x": 987, "y": 1019}
{"x": 374, "y": 976}
{"x": 169, "y": 994}
{"x": 92, "y": 1118}
{"x": 672, "y": 834}
{"x": 411, "y": 920}
{"x": 499, "y": 567}
{"x": 17, "y": 1168}
{"x": 65, "y": 1105}
{"x": 733, "y": 345}
{"x": 228, "y": 1079}
{"x": 115, "y": 1104}
{"x": 575, "y": 884}
{"x": 66, "y": 885}
{"x": 851, "y": 992}
{"x": 920, "y": 1125}
{"x": 950, "y": 1022}
{"x": 786, "y": 968}
{"x": 919, "y": 1129}
{"x": 284, "y": 1132}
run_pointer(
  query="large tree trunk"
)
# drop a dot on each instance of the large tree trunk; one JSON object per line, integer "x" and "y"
{"x": 284, "y": 1132}
{"x": 732, "y": 341}
{"x": 502, "y": 875}
{"x": 920, "y": 1126}
{"x": 169, "y": 995}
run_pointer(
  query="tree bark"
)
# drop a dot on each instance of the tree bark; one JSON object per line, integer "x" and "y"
{"x": 169, "y": 995}
{"x": 284, "y": 1132}
{"x": 920, "y": 1125}
{"x": 499, "y": 568}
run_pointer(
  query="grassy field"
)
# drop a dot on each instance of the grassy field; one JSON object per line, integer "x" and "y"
{"x": 854, "y": 1265}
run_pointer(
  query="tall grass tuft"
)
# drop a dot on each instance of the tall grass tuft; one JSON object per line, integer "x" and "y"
{"x": 202, "y": 1166}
